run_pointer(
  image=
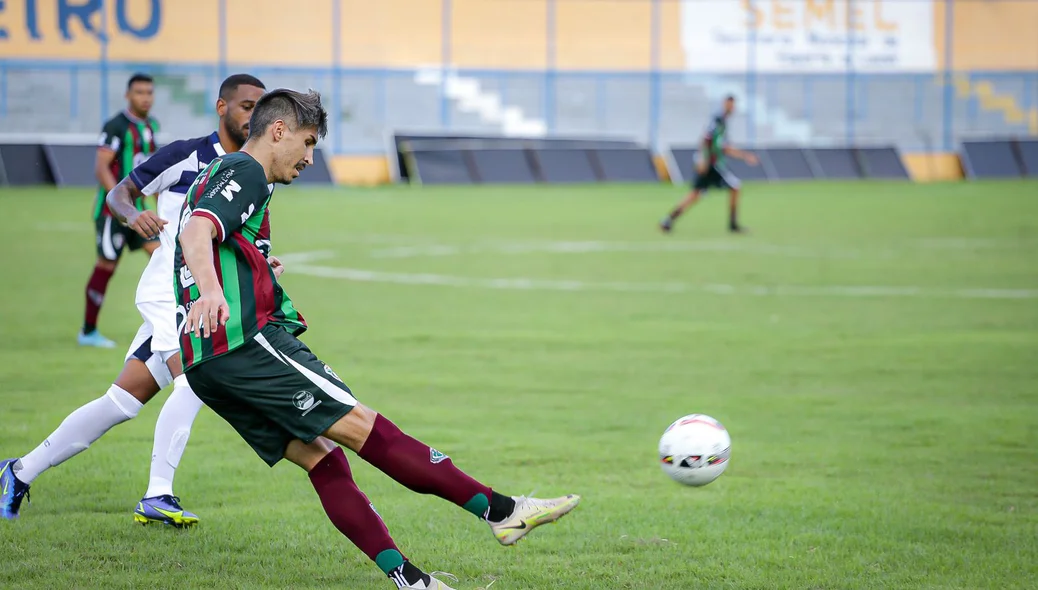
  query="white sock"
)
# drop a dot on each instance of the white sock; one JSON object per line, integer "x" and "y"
{"x": 78, "y": 431}
{"x": 171, "y": 433}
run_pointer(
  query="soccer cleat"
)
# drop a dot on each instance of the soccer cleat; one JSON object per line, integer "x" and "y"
{"x": 164, "y": 510}
{"x": 666, "y": 225}
{"x": 95, "y": 339}
{"x": 12, "y": 490}
{"x": 529, "y": 514}
{"x": 433, "y": 584}
{"x": 738, "y": 229}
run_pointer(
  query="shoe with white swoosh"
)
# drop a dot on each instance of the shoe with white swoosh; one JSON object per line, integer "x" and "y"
{"x": 530, "y": 513}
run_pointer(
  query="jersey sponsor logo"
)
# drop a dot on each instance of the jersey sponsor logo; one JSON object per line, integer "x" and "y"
{"x": 264, "y": 247}
{"x": 217, "y": 186}
{"x": 182, "y": 317}
{"x": 228, "y": 193}
{"x": 304, "y": 400}
{"x": 436, "y": 457}
{"x": 186, "y": 278}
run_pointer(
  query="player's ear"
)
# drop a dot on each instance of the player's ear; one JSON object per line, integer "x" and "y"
{"x": 279, "y": 130}
{"x": 221, "y": 106}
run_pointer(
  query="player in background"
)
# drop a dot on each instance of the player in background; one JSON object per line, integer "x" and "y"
{"x": 127, "y": 140}
{"x": 713, "y": 171}
{"x": 241, "y": 355}
{"x": 153, "y": 359}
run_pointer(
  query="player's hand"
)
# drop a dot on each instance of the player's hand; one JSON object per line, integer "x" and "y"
{"x": 701, "y": 167}
{"x": 276, "y": 266}
{"x": 146, "y": 223}
{"x": 209, "y": 312}
{"x": 751, "y": 159}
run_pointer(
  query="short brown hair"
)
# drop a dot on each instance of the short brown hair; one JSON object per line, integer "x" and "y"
{"x": 304, "y": 110}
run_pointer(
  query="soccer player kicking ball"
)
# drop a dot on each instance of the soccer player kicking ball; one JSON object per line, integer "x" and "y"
{"x": 153, "y": 360}
{"x": 242, "y": 356}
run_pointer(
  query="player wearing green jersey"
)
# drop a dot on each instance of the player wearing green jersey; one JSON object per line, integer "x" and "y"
{"x": 242, "y": 356}
{"x": 127, "y": 139}
{"x": 713, "y": 170}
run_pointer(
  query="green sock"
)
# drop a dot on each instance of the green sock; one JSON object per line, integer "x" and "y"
{"x": 388, "y": 560}
{"x": 478, "y": 505}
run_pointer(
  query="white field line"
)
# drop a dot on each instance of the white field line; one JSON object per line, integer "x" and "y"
{"x": 883, "y": 251}
{"x": 302, "y": 263}
{"x": 584, "y": 247}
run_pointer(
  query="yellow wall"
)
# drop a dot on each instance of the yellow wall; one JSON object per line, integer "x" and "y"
{"x": 590, "y": 34}
{"x": 933, "y": 167}
{"x": 359, "y": 170}
{"x": 1000, "y": 35}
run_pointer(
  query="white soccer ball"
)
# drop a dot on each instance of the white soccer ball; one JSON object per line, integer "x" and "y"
{"x": 694, "y": 450}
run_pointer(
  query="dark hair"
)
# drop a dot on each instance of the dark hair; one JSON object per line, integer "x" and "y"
{"x": 302, "y": 110}
{"x": 139, "y": 77}
{"x": 730, "y": 97}
{"x": 233, "y": 82}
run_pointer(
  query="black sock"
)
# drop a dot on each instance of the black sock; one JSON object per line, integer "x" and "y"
{"x": 408, "y": 575}
{"x": 500, "y": 507}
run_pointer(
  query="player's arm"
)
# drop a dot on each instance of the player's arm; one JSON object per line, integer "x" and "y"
{"x": 107, "y": 146}
{"x": 155, "y": 175}
{"x": 229, "y": 200}
{"x": 745, "y": 156}
{"x": 122, "y": 202}
{"x": 210, "y": 310}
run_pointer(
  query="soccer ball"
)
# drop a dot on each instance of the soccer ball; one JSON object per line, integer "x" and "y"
{"x": 694, "y": 450}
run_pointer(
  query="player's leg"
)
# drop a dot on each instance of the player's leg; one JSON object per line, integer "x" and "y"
{"x": 425, "y": 470}
{"x": 138, "y": 382}
{"x": 734, "y": 186}
{"x": 699, "y": 184}
{"x": 325, "y": 406}
{"x": 173, "y": 426}
{"x": 110, "y": 243}
{"x": 352, "y": 513}
{"x": 231, "y": 383}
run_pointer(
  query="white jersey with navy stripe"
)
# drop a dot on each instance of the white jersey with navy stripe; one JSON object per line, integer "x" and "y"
{"x": 168, "y": 174}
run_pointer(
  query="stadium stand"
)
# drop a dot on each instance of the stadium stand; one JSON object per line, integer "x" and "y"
{"x": 536, "y": 69}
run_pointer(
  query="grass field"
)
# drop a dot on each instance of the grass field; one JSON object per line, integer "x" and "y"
{"x": 872, "y": 348}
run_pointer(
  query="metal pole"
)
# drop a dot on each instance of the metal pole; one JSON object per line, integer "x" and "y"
{"x": 104, "y": 62}
{"x": 337, "y": 72}
{"x": 751, "y": 79}
{"x": 850, "y": 89}
{"x": 446, "y": 11}
{"x": 549, "y": 66}
{"x": 654, "y": 80}
{"x": 949, "y": 57}
{"x": 222, "y": 19}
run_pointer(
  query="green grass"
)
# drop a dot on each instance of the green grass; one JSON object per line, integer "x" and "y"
{"x": 872, "y": 348}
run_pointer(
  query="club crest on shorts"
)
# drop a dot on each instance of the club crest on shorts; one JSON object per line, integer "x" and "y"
{"x": 329, "y": 370}
{"x": 304, "y": 400}
{"x": 436, "y": 456}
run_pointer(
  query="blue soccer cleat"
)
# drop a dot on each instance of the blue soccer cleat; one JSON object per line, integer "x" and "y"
{"x": 12, "y": 490}
{"x": 95, "y": 339}
{"x": 164, "y": 510}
